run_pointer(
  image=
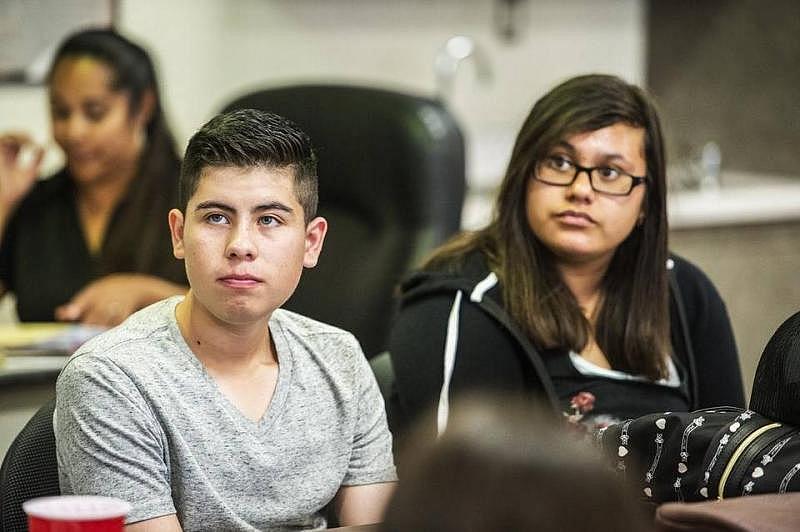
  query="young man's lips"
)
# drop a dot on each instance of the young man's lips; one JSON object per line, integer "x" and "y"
{"x": 240, "y": 281}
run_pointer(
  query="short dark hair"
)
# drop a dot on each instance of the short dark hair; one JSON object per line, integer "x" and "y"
{"x": 250, "y": 138}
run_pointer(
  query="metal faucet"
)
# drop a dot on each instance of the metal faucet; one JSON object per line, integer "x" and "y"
{"x": 710, "y": 165}
{"x": 450, "y": 56}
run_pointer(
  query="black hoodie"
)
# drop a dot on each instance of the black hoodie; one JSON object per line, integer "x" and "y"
{"x": 453, "y": 335}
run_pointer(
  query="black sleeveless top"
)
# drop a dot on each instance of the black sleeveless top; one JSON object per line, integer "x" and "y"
{"x": 44, "y": 259}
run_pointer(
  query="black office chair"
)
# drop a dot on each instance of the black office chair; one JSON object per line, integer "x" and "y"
{"x": 29, "y": 470}
{"x": 392, "y": 185}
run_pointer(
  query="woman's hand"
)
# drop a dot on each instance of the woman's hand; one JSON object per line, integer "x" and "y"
{"x": 111, "y": 299}
{"x": 17, "y": 172}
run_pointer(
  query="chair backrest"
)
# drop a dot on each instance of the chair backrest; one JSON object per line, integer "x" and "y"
{"x": 29, "y": 470}
{"x": 381, "y": 365}
{"x": 776, "y": 384}
{"x": 392, "y": 186}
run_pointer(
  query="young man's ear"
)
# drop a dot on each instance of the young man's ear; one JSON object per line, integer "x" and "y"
{"x": 176, "y": 231}
{"x": 315, "y": 235}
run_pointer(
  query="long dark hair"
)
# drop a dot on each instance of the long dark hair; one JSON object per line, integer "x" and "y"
{"x": 133, "y": 240}
{"x": 632, "y": 326}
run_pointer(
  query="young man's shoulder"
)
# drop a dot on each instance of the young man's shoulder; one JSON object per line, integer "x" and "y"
{"x": 133, "y": 340}
{"x": 319, "y": 347}
{"x": 315, "y": 332}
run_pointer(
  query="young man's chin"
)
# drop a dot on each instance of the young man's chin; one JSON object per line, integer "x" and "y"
{"x": 236, "y": 313}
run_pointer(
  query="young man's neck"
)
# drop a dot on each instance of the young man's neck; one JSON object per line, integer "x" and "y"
{"x": 223, "y": 346}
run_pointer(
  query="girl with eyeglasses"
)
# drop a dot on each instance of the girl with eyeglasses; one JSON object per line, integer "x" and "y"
{"x": 569, "y": 295}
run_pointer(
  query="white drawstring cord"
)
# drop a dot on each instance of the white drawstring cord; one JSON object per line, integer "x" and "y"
{"x": 450, "y": 346}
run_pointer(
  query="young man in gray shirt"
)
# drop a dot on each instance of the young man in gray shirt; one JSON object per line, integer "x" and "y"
{"x": 219, "y": 410}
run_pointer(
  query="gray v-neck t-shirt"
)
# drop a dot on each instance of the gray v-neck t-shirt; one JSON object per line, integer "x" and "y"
{"x": 139, "y": 418}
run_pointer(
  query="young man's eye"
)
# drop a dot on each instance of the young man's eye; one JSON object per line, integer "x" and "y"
{"x": 216, "y": 218}
{"x": 268, "y": 220}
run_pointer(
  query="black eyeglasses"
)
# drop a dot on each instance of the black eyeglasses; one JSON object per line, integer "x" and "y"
{"x": 561, "y": 172}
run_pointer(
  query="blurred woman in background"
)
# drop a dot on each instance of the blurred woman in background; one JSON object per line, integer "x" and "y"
{"x": 570, "y": 293}
{"x": 91, "y": 244}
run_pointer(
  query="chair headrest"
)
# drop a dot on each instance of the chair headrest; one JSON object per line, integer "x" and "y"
{"x": 375, "y": 146}
{"x": 776, "y": 386}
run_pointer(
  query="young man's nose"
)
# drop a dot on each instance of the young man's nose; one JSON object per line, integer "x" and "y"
{"x": 241, "y": 244}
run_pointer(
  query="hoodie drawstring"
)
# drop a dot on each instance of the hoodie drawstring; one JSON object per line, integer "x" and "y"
{"x": 450, "y": 346}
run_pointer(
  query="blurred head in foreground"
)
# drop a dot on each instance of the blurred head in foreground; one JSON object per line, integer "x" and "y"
{"x": 502, "y": 466}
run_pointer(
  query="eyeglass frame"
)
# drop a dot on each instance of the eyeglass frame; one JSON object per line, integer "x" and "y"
{"x": 635, "y": 180}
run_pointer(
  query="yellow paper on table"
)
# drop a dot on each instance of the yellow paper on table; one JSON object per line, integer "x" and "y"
{"x": 44, "y": 338}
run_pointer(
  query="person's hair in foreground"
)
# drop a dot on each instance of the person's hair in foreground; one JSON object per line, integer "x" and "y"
{"x": 134, "y": 75}
{"x": 502, "y": 465}
{"x": 632, "y": 324}
{"x": 250, "y": 138}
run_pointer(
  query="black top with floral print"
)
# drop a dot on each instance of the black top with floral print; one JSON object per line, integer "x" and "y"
{"x": 594, "y": 397}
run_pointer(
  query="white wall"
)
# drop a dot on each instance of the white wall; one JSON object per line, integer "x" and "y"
{"x": 208, "y": 51}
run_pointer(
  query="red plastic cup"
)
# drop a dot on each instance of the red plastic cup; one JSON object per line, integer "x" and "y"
{"x": 76, "y": 513}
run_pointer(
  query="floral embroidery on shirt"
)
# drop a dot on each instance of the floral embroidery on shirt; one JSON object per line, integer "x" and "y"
{"x": 580, "y": 405}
